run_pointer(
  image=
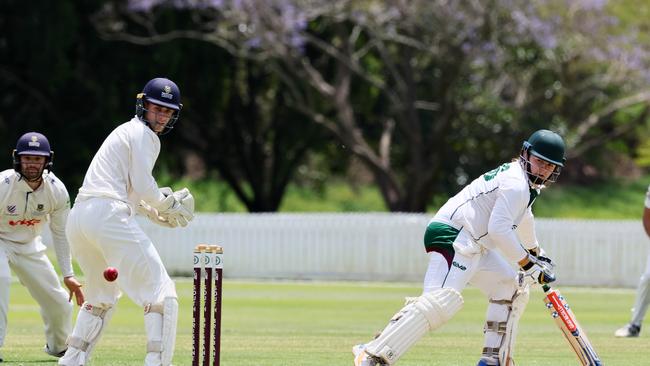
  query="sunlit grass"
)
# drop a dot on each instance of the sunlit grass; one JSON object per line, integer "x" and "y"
{"x": 317, "y": 323}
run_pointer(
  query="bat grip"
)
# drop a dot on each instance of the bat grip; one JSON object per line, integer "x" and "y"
{"x": 546, "y": 288}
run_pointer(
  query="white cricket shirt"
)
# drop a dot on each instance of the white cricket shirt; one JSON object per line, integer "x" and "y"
{"x": 24, "y": 211}
{"x": 122, "y": 167}
{"x": 495, "y": 209}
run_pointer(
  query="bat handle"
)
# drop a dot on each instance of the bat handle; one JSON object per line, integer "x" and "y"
{"x": 546, "y": 288}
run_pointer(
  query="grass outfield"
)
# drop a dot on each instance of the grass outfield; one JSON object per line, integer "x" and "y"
{"x": 316, "y": 323}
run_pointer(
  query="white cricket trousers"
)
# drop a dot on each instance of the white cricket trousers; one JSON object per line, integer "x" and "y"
{"x": 36, "y": 273}
{"x": 104, "y": 233}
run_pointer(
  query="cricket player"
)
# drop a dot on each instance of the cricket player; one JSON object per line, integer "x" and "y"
{"x": 103, "y": 232}
{"x": 643, "y": 292}
{"x": 475, "y": 238}
{"x": 30, "y": 196}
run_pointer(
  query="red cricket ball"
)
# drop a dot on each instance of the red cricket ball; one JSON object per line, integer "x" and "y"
{"x": 110, "y": 274}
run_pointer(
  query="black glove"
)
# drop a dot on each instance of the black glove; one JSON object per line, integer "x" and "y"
{"x": 536, "y": 271}
{"x": 539, "y": 253}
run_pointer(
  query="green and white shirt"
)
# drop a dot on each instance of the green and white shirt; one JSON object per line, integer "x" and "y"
{"x": 495, "y": 209}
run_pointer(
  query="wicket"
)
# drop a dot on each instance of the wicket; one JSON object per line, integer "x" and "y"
{"x": 208, "y": 265}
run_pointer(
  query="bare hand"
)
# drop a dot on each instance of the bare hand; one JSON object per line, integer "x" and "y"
{"x": 75, "y": 289}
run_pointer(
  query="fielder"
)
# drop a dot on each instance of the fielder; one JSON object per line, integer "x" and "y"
{"x": 30, "y": 196}
{"x": 643, "y": 292}
{"x": 103, "y": 232}
{"x": 474, "y": 238}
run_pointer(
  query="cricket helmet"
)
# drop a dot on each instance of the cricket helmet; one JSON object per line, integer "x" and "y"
{"x": 162, "y": 92}
{"x": 32, "y": 143}
{"x": 548, "y": 146}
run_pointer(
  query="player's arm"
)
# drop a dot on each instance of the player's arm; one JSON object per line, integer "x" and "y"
{"x": 502, "y": 232}
{"x": 143, "y": 156}
{"x": 527, "y": 234}
{"x": 160, "y": 205}
{"x": 58, "y": 219}
{"x": 526, "y": 231}
{"x": 501, "y": 225}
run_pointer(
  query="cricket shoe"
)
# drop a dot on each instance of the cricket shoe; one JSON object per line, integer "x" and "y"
{"x": 492, "y": 361}
{"x": 47, "y": 350}
{"x": 630, "y": 330}
{"x": 361, "y": 358}
{"x": 483, "y": 362}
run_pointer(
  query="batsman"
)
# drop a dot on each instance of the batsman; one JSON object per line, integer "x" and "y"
{"x": 103, "y": 232}
{"x": 474, "y": 238}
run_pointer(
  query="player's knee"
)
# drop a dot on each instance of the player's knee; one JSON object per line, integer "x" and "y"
{"x": 503, "y": 290}
{"x": 98, "y": 311}
{"x": 159, "y": 307}
{"x": 439, "y": 306}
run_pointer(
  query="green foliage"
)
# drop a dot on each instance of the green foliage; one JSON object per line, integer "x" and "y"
{"x": 317, "y": 323}
{"x": 616, "y": 199}
{"x": 214, "y": 195}
{"x": 613, "y": 199}
{"x": 211, "y": 195}
{"x": 643, "y": 152}
{"x": 336, "y": 196}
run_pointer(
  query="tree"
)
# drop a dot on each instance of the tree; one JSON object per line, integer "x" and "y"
{"x": 424, "y": 92}
{"x": 242, "y": 127}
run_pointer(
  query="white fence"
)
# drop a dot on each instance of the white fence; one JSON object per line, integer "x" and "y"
{"x": 384, "y": 246}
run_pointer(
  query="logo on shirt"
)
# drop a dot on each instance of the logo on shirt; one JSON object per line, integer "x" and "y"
{"x": 24, "y": 222}
{"x": 39, "y": 207}
{"x": 11, "y": 208}
{"x": 6, "y": 180}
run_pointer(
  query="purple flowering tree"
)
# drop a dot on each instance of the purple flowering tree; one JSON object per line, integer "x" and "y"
{"x": 425, "y": 92}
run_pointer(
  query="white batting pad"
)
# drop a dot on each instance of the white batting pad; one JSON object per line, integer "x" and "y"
{"x": 91, "y": 321}
{"x": 507, "y": 349}
{"x": 426, "y": 313}
{"x": 170, "y": 318}
{"x": 160, "y": 323}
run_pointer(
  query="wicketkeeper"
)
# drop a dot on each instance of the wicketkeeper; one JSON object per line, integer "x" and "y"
{"x": 103, "y": 232}
{"x": 473, "y": 239}
{"x": 30, "y": 196}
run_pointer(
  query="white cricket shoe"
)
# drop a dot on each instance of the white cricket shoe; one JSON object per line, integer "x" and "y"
{"x": 629, "y": 330}
{"x": 361, "y": 358}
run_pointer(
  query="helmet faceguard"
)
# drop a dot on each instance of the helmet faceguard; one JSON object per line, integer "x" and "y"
{"x": 35, "y": 144}
{"x": 545, "y": 145}
{"x": 162, "y": 92}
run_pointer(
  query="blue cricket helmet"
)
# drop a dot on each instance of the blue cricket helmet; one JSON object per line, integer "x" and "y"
{"x": 33, "y": 143}
{"x": 162, "y": 92}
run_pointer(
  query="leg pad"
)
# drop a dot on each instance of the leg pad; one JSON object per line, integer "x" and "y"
{"x": 426, "y": 313}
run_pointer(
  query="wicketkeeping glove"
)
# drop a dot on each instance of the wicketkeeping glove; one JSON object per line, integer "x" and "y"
{"x": 178, "y": 207}
{"x": 152, "y": 214}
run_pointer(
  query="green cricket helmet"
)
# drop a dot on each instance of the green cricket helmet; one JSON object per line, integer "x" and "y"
{"x": 548, "y": 146}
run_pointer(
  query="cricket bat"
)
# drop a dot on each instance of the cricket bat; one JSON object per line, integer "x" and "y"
{"x": 566, "y": 321}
